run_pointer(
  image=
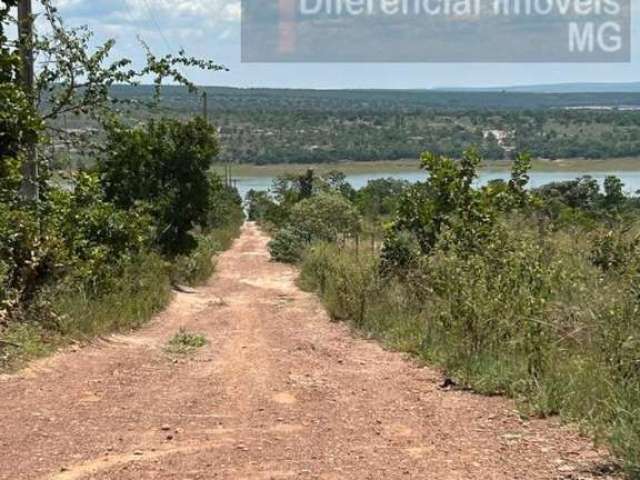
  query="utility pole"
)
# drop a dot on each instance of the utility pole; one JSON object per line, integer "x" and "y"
{"x": 205, "y": 107}
{"x": 30, "y": 186}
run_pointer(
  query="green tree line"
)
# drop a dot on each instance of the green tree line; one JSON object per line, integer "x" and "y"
{"x": 300, "y": 126}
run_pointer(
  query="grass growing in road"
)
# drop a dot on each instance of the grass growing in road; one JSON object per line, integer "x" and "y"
{"x": 185, "y": 342}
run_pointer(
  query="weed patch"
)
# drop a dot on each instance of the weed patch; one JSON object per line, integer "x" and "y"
{"x": 541, "y": 326}
{"x": 185, "y": 342}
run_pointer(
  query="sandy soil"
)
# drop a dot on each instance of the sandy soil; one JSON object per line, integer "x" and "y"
{"x": 278, "y": 392}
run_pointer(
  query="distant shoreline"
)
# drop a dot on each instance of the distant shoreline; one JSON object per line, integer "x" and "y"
{"x": 412, "y": 165}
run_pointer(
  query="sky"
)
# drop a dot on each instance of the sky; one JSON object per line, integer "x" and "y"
{"x": 211, "y": 29}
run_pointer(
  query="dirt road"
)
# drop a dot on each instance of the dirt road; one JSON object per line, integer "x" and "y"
{"x": 278, "y": 392}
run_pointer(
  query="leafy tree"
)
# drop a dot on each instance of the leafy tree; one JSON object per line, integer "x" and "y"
{"x": 77, "y": 80}
{"x": 582, "y": 193}
{"x": 447, "y": 200}
{"x": 291, "y": 188}
{"x": 613, "y": 192}
{"x": 336, "y": 181}
{"x": 305, "y": 184}
{"x": 520, "y": 179}
{"x": 448, "y": 211}
{"x": 380, "y": 197}
{"x": 163, "y": 164}
{"x": 325, "y": 217}
{"x": 20, "y": 124}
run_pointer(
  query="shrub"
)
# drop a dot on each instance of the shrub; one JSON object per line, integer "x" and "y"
{"x": 400, "y": 250}
{"x": 447, "y": 202}
{"x": 325, "y": 216}
{"x": 288, "y": 245}
{"x": 81, "y": 238}
{"x": 198, "y": 266}
{"x": 614, "y": 250}
{"x": 322, "y": 217}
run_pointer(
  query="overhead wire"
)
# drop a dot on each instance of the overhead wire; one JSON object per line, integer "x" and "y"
{"x": 157, "y": 26}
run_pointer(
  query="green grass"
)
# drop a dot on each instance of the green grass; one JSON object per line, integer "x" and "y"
{"x": 534, "y": 321}
{"x": 194, "y": 269}
{"x": 131, "y": 300}
{"x": 185, "y": 342}
{"x": 128, "y": 302}
{"x": 21, "y": 341}
{"x": 125, "y": 303}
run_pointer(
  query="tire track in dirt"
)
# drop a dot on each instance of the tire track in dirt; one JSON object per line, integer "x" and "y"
{"x": 278, "y": 392}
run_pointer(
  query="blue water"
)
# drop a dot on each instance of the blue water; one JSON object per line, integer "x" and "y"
{"x": 631, "y": 179}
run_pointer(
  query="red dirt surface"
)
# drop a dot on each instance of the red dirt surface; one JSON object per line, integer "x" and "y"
{"x": 278, "y": 392}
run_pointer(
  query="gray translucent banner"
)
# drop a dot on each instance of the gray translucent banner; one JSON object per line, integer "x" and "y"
{"x": 567, "y": 31}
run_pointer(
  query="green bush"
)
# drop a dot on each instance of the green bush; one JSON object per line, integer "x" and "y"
{"x": 321, "y": 217}
{"x": 287, "y": 245}
{"x": 76, "y": 238}
{"x": 325, "y": 216}
{"x": 163, "y": 164}
{"x": 614, "y": 249}
{"x": 197, "y": 267}
{"x": 399, "y": 252}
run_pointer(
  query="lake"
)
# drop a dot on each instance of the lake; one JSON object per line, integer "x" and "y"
{"x": 631, "y": 179}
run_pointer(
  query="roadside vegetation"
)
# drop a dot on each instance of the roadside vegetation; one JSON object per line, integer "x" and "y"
{"x": 532, "y": 294}
{"x": 97, "y": 250}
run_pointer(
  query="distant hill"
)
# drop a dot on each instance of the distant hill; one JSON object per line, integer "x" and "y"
{"x": 260, "y": 125}
{"x": 226, "y": 99}
{"x": 633, "y": 87}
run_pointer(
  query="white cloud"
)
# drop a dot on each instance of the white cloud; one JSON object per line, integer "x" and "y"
{"x": 166, "y": 12}
{"x": 165, "y": 23}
